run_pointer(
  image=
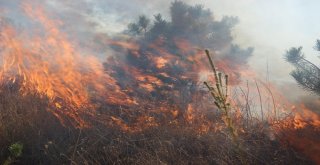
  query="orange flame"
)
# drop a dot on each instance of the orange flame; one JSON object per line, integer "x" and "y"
{"x": 50, "y": 66}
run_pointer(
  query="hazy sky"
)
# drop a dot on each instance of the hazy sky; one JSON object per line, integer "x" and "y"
{"x": 272, "y": 27}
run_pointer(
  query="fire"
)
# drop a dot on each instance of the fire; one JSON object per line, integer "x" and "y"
{"x": 161, "y": 62}
{"x": 189, "y": 114}
{"x": 306, "y": 117}
{"x": 50, "y": 66}
{"x": 301, "y": 131}
{"x": 47, "y": 63}
{"x": 142, "y": 123}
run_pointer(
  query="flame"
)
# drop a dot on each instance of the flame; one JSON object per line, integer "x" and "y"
{"x": 50, "y": 66}
{"x": 189, "y": 114}
{"x": 306, "y": 117}
{"x": 160, "y": 62}
{"x": 47, "y": 63}
{"x": 142, "y": 123}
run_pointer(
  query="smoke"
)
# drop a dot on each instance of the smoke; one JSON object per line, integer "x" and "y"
{"x": 92, "y": 24}
{"x": 155, "y": 70}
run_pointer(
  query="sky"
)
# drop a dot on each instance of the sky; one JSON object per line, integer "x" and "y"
{"x": 272, "y": 27}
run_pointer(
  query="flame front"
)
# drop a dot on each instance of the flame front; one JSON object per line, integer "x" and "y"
{"x": 159, "y": 82}
{"x": 49, "y": 65}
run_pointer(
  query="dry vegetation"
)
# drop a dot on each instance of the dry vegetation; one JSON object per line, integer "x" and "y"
{"x": 143, "y": 105}
{"x": 47, "y": 142}
{"x": 25, "y": 119}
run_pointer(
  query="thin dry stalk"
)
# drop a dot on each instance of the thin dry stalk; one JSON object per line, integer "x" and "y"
{"x": 273, "y": 101}
{"x": 260, "y": 99}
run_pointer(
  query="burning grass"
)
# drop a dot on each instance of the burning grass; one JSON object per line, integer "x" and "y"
{"x": 46, "y": 141}
{"x": 144, "y": 134}
{"x": 143, "y": 106}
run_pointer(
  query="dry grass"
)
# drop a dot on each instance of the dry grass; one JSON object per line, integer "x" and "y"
{"x": 45, "y": 141}
{"x": 25, "y": 119}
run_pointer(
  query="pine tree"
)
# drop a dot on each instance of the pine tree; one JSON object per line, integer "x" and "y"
{"x": 306, "y": 73}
